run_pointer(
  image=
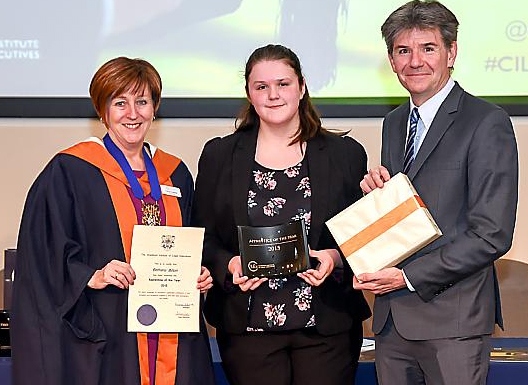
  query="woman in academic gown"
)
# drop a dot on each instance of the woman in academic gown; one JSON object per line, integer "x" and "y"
{"x": 69, "y": 316}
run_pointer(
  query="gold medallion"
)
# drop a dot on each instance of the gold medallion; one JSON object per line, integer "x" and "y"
{"x": 151, "y": 214}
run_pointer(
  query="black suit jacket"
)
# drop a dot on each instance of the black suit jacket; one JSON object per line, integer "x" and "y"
{"x": 466, "y": 172}
{"x": 336, "y": 166}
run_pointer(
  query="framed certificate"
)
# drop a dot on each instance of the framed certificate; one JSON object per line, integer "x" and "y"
{"x": 167, "y": 262}
{"x": 273, "y": 250}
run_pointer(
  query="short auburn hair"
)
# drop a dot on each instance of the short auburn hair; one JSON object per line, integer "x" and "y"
{"x": 120, "y": 75}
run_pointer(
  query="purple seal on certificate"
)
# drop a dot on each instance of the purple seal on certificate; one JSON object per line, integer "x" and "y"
{"x": 146, "y": 315}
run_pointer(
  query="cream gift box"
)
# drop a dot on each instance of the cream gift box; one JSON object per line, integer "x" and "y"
{"x": 384, "y": 227}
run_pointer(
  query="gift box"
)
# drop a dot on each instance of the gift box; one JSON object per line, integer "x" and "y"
{"x": 384, "y": 227}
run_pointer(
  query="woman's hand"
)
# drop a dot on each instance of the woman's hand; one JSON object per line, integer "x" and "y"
{"x": 244, "y": 283}
{"x": 328, "y": 260}
{"x": 117, "y": 273}
{"x": 205, "y": 281}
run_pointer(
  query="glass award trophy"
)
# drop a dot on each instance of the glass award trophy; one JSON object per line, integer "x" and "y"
{"x": 273, "y": 251}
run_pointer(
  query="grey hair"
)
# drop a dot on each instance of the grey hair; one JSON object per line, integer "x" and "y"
{"x": 424, "y": 15}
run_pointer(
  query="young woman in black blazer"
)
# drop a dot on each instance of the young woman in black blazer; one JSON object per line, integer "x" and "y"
{"x": 281, "y": 165}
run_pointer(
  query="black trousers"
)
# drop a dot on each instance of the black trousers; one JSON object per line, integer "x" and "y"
{"x": 299, "y": 357}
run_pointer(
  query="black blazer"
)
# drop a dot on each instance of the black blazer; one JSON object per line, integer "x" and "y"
{"x": 336, "y": 166}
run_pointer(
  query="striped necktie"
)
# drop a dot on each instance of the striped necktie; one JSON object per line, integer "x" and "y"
{"x": 409, "y": 147}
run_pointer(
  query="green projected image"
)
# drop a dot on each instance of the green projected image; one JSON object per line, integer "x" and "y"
{"x": 340, "y": 46}
{"x": 52, "y": 48}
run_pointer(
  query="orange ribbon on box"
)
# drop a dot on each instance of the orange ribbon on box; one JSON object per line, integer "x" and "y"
{"x": 381, "y": 225}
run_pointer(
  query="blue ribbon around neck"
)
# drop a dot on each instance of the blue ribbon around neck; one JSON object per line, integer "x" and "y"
{"x": 155, "y": 189}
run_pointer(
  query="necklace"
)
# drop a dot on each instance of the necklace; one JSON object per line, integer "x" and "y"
{"x": 150, "y": 212}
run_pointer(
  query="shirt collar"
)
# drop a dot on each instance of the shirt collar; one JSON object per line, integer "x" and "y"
{"x": 429, "y": 109}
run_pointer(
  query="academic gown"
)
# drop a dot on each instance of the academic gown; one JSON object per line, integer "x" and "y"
{"x": 64, "y": 333}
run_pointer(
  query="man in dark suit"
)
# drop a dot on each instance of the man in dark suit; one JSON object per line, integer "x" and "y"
{"x": 434, "y": 313}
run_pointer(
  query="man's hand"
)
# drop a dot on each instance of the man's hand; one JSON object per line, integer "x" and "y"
{"x": 375, "y": 178}
{"x": 380, "y": 282}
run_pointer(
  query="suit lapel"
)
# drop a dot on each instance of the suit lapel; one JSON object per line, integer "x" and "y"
{"x": 319, "y": 171}
{"x": 243, "y": 158}
{"x": 441, "y": 123}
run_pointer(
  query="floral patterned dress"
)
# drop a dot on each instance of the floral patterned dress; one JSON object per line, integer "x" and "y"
{"x": 276, "y": 197}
